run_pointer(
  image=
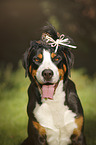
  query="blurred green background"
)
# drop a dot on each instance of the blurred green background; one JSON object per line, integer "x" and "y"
{"x": 22, "y": 21}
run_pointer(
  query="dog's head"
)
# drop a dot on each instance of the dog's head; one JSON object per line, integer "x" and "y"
{"x": 48, "y": 61}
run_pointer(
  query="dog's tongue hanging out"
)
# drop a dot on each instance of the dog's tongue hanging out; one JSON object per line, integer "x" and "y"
{"x": 48, "y": 91}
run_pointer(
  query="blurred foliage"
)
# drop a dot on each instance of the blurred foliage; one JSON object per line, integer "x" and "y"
{"x": 13, "y": 103}
{"x": 22, "y": 20}
{"x": 86, "y": 88}
{"x": 76, "y": 18}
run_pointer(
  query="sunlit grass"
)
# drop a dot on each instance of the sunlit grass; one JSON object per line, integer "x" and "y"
{"x": 13, "y": 103}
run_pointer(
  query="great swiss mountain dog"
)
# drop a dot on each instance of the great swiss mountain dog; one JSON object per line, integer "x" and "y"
{"x": 54, "y": 109}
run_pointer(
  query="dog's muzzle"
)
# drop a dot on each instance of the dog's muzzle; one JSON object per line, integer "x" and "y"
{"x": 47, "y": 89}
{"x": 47, "y": 74}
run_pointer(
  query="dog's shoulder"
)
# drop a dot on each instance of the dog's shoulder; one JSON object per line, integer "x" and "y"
{"x": 70, "y": 85}
{"x": 72, "y": 99}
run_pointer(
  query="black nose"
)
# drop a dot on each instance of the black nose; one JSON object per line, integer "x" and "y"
{"x": 47, "y": 74}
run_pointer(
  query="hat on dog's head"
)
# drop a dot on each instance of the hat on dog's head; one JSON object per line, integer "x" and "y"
{"x": 54, "y": 39}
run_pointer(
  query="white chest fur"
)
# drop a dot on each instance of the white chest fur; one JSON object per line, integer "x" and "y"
{"x": 57, "y": 119}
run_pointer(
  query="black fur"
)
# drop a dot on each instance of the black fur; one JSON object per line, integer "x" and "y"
{"x": 50, "y": 30}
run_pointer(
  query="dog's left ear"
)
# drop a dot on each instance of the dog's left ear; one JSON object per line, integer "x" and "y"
{"x": 69, "y": 55}
{"x": 69, "y": 59}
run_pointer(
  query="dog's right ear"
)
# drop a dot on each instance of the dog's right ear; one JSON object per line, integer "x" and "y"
{"x": 25, "y": 62}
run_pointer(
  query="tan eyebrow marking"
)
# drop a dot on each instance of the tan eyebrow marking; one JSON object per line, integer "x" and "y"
{"x": 39, "y": 56}
{"x": 53, "y": 55}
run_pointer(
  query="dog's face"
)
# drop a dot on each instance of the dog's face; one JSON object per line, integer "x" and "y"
{"x": 46, "y": 68}
{"x": 50, "y": 69}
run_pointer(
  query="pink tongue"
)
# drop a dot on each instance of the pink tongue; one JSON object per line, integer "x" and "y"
{"x": 47, "y": 91}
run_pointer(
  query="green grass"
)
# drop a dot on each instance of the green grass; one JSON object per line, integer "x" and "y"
{"x": 13, "y": 103}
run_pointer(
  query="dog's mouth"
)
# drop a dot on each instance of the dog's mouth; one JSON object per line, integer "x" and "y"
{"x": 48, "y": 91}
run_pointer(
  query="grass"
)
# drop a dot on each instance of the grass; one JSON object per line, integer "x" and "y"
{"x": 13, "y": 102}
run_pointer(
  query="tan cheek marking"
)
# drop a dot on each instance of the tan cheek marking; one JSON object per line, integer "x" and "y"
{"x": 79, "y": 122}
{"x": 61, "y": 73}
{"x": 40, "y": 56}
{"x": 30, "y": 68}
{"x": 33, "y": 73}
{"x": 41, "y": 129}
{"x": 53, "y": 55}
{"x": 64, "y": 66}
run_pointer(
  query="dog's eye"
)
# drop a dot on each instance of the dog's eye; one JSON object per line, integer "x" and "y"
{"x": 57, "y": 59}
{"x": 37, "y": 60}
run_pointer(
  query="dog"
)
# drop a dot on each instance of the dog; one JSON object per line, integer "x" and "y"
{"x": 55, "y": 114}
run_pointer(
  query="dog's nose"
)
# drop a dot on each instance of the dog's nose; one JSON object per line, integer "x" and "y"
{"x": 47, "y": 74}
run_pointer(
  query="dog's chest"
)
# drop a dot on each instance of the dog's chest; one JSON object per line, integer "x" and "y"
{"x": 57, "y": 119}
